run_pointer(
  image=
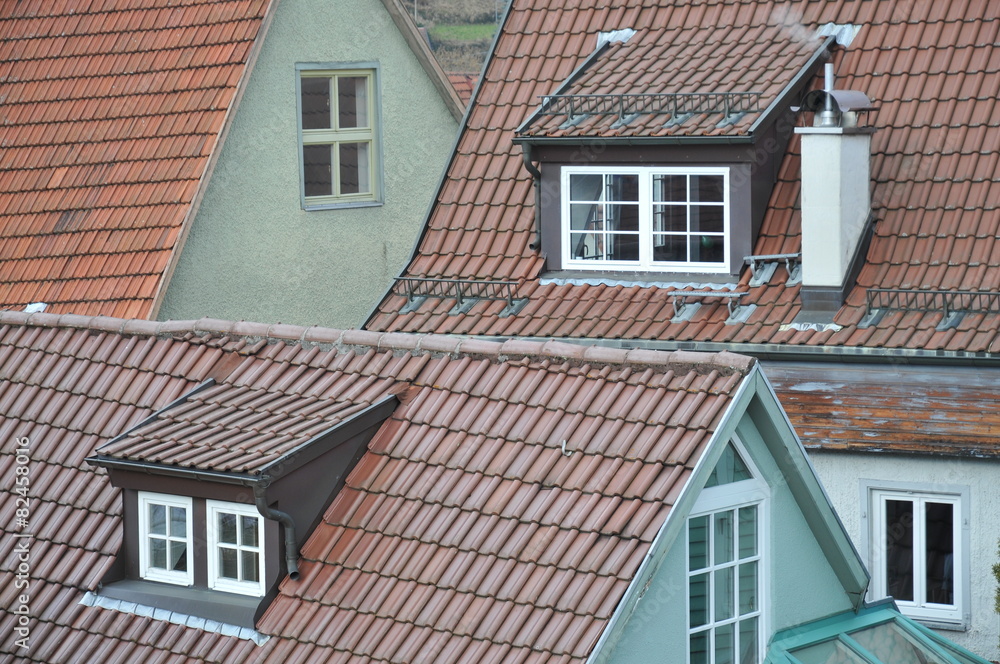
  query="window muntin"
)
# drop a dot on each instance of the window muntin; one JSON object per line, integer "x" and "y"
{"x": 165, "y": 534}
{"x": 337, "y": 122}
{"x": 916, "y": 552}
{"x": 235, "y": 548}
{"x": 726, "y": 564}
{"x": 646, "y": 218}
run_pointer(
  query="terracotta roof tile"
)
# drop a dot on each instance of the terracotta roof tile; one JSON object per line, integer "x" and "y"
{"x": 464, "y": 529}
{"x": 933, "y": 181}
{"x": 108, "y": 129}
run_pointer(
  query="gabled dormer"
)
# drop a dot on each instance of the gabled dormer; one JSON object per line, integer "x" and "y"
{"x": 659, "y": 154}
{"x": 220, "y": 489}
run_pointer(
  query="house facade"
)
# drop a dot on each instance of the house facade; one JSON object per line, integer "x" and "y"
{"x": 803, "y": 182}
{"x": 110, "y": 172}
{"x": 327, "y": 170}
{"x": 222, "y": 491}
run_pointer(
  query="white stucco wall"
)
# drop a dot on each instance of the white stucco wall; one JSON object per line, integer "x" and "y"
{"x": 843, "y": 474}
{"x": 253, "y": 253}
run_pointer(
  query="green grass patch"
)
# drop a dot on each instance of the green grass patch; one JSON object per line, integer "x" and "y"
{"x": 475, "y": 32}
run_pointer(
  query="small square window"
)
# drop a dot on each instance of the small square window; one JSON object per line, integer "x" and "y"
{"x": 339, "y": 151}
{"x": 165, "y": 534}
{"x": 235, "y": 552}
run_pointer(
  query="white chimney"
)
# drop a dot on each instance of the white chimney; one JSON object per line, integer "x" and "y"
{"x": 836, "y": 203}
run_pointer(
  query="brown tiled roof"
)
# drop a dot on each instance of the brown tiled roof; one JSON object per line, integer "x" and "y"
{"x": 873, "y": 408}
{"x": 931, "y": 70}
{"x": 110, "y": 113}
{"x": 464, "y": 84}
{"x": 465, "y": 533}
{"x": 683, "y": 59}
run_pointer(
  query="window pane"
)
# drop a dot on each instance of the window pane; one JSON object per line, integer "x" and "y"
{"x": 698, "y": 599}
{"x": 698, "y": 543}
{"x": 939, "y": 520}
{"x": 622, "y": 188}
{"x": 158, "y": 519}
{"x": 723, "y": 537}
{"x": 707, "y": 188}
{"x": 730, "y": 468}
{"x": 748, "y": 531}
{"x": 354, "y": 168}
{"x": 707, "y": 249}
{"x": 249, "y": 530}
{"x": 178, "y": 522}
{"x": 707, "y": 219}
{"x": 725, "y": 647}
{"x": 748, "y": 588}
{"x": 352, "y": 98}
{"x": 250, "y": 565}
{"x": 724, "y": 593}
{"x": 227, "y": 564}
{"x": 670, "y": 248}
{"x": 826, "y": 652}
{"x": 227, "y": 528}
{"x": 670, "y": 188}
{"x": 748, "y": 641}
{"x": 178, "y": 556}
{"x": 315, "y": 103}
{"x": 890, "y": 644}
{"x": 318, "y": 169}
{"x": 670, "y": 218}
{"x": 899, "y": 549}
{"x": 158, "y": 553}
{"x": 585, "y": 187}
{"x": 699, "y": 648}
{"x": 623, "y": 217}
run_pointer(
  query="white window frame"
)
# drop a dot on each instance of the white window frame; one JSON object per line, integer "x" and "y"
{"x": 334, "y": 136}
{"x": 874, "y": 495}
{"x": 148, "y": 572}
{"x": 725, "y": 497}
{"x": 645, "y": 204}
{"x": 217, "y": 582}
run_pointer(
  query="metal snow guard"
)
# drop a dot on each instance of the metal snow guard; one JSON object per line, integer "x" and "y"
{"x": 667, "y": 103}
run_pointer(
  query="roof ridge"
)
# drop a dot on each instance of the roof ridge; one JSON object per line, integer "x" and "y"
{"x": 513, "y": 349}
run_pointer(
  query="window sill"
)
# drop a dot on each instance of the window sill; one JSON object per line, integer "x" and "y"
{"x": 201, "y": 602}
{"x": 309, "y": 207}
{"x": 943, "y": 625}
{"x": 672, "y": 280}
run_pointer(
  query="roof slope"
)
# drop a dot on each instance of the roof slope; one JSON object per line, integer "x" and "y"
{"x": 111, "y": 111}
{"x": 465, "y": 533}
{"x": 931, "y": 68}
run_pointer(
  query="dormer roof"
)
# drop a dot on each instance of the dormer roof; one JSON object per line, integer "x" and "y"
{"x": 677, "y": 80}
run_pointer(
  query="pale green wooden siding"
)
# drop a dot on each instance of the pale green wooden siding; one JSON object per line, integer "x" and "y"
{"x": 252, "y": 252}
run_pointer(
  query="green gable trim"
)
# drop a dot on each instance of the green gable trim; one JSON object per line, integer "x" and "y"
{"x": 870, "y": 623}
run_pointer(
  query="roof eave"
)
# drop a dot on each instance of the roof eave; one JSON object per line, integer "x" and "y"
{"x": 734, "y": 139}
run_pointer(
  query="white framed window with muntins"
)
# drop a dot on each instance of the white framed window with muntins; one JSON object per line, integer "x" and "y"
{"x": 645, "y": 218}
{"x": 338, "y": 137}
{"x": 235, "y": 548}
{"x": 165, "y": 533}
{"x": 726, "y": 562}
{"x": 918, "y": 552}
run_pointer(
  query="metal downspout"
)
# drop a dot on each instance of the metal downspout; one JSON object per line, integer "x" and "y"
{"x": 291, "y": 550}
{"x": 537, "y": 176}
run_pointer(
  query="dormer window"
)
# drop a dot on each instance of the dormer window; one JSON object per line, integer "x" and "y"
{"x": 645, "y": 218}
{"x": 235, "y": 544}
{"x": 165, "y": 530}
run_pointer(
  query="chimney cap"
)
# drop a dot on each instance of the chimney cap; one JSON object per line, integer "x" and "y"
{"x": 842, "y": 101}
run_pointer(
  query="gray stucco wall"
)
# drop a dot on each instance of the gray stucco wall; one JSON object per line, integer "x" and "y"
{"x": 802, "y": 586}
{"x": 843, "y": 473}
{"x": 253, "y": 253}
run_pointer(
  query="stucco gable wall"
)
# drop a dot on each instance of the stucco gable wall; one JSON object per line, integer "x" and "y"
{"x": 252, "y": 252}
